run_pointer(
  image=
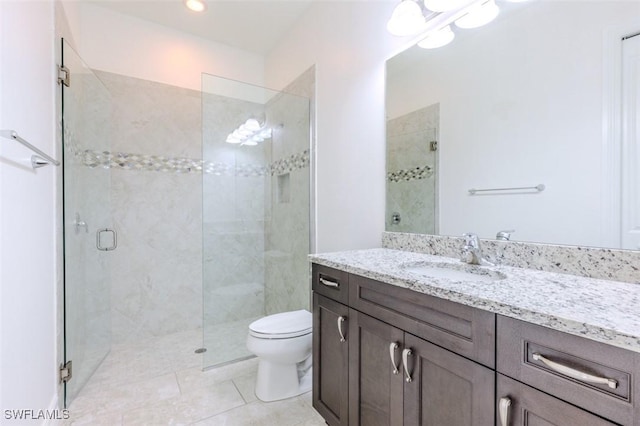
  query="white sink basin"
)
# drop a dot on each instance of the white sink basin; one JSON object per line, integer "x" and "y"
{"x": 453, "y": 272}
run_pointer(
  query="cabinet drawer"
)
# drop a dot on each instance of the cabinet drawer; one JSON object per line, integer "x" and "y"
{"x": 527, "y": 406}
{"x": 571, "y": 368}
{"x": 461, "y": 329}
{"x": 331, "y": 283}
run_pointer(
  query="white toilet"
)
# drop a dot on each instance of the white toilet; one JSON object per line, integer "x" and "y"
{"x": 282, "y": 343}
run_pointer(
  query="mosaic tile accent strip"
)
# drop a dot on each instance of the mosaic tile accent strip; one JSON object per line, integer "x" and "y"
{"x": 158, "y": 163}
{"x": 291, "y": 163}
{"x": 423, "y": 172}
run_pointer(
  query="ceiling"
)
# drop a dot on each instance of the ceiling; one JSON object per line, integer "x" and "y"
{"x": 252, "y": 25}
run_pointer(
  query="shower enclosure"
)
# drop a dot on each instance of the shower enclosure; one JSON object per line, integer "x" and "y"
{"x": 175, "y": 239}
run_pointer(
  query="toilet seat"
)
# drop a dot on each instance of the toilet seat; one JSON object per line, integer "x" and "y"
{"x": 284, "y": 325}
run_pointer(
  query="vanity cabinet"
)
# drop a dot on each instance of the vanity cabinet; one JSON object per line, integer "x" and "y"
{"x": 375, "y": 385}
{"x": 446, "y": 389}
{"x": 591, "y": 375}
{"x": 330, "y": 345}
{"x": 521, "y": 405}
{"x": 387, "y": 355}
{"x": 395, "y": 377}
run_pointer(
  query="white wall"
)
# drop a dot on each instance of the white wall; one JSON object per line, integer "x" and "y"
{"x": 121, "y": 44}
{"x": 520, "y": 104}
{"x": 349, "y": 44}
{"x": 27, "y": 209}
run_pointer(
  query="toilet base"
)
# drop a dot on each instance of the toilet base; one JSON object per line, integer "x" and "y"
{"x": 280, "y": 381}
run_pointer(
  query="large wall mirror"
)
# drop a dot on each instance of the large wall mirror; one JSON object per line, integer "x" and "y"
{"x": 546, "y": 99}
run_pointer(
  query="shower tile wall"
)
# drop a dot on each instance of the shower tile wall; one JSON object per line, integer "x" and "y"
{"x": 157, "y": 268}
{"x": 287, "y": 228}
{"x": 411, "y": 171}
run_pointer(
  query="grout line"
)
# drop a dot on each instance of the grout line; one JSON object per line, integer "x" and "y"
{"x": 238, "y": 390}
{"x": 225, "y": 411}
{"x": 175, "y": 374}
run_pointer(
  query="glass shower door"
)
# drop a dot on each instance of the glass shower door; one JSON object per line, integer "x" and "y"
{"x": 88, "y": 236}
{"x": 255, "y": 174}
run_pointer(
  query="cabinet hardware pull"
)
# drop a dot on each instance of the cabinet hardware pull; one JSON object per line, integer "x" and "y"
{"x": 392, "y": 353}
{"x": 341, "y": 321}
{"x": 405, "y": 361}
{"x": 575, "y": 374}
{"x": 329, "y": 283}
{"x": 505, "y": 404}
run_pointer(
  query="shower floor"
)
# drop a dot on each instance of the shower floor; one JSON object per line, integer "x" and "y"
{"x": 160, "y": 381}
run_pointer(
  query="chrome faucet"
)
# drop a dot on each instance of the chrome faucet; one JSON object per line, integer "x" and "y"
{"x": 471, "y": 251}
{"x": 504, "y": 235}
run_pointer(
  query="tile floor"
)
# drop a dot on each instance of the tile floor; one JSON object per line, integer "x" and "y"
{"x": 160, "y": 382}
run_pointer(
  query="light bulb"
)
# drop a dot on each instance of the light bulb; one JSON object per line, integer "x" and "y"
{"x": 249, "y": 142}
{"x": 195, "y": 5}
{"x": 479, "y": 15}
{"x": 444, "y": 5}
{"x": 438, "y": 38}
{"x": 233, "y": 139}
{"x": 252, "y": 124}
{"x": 407, "y": 19}
{"x": 242, "y": 130}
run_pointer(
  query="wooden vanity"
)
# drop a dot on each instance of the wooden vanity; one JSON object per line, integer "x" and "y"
{"x": 387, "y": 355}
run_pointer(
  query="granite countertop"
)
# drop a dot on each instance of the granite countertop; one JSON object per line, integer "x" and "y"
{"x": 605, "y": 311}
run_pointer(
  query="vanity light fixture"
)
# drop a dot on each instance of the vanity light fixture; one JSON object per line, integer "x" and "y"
{"x": 196, "y": 5}
{"x": 432, "y": 25}
{"x": 438, "y": 38}
{"x": 479, "y": 15}
{"x": 250, "y": 133}
{"x": 407, "y": 19}
{"x": 445, "y": 5}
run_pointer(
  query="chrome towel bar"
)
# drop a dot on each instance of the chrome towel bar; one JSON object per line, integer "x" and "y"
{"x": 37, "y": 161}
{"x": 538, "y": 188}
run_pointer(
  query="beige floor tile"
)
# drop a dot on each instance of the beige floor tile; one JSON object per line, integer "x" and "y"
{"x": 160, "y": 381}
{"x": 247, "y": 386}
{"x": 118, "y": 398}
{"x": 187, "y": 408}
{"x": 290, "y": 412}
{"x": 195, "y": 378}
{"x": 96, "y": 418}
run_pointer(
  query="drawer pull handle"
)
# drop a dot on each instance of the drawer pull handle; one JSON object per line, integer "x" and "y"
{"x": 576, "y": 374}
{"x": 341, "y": 321}
{"x": 329, "y": 283}
{"x": 505, "y": 404}
{"x": 405, "y": 362}
{"x": 392, "y": 353}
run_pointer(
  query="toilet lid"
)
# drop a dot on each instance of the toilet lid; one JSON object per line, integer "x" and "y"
{"x": 282, "y": 325}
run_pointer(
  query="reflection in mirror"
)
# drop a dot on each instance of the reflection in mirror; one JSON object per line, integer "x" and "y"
{"x": 411, "y": 171}
{"x": 546, "y": 94}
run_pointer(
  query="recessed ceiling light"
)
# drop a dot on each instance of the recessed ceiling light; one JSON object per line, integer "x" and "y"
{"x": 196, "y": 5}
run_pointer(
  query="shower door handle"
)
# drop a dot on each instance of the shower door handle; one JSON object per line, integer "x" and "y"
{"x": 99, "y": 233}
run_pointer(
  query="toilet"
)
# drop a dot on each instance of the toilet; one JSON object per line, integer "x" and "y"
{"x": 282, "y": 343}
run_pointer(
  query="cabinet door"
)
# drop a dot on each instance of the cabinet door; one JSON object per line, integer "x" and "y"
{"x": 330, "y": 360}
{"x": 521, "y": 405}
{"x": 445, "y": 389}
{"x": 375, "y": 379}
